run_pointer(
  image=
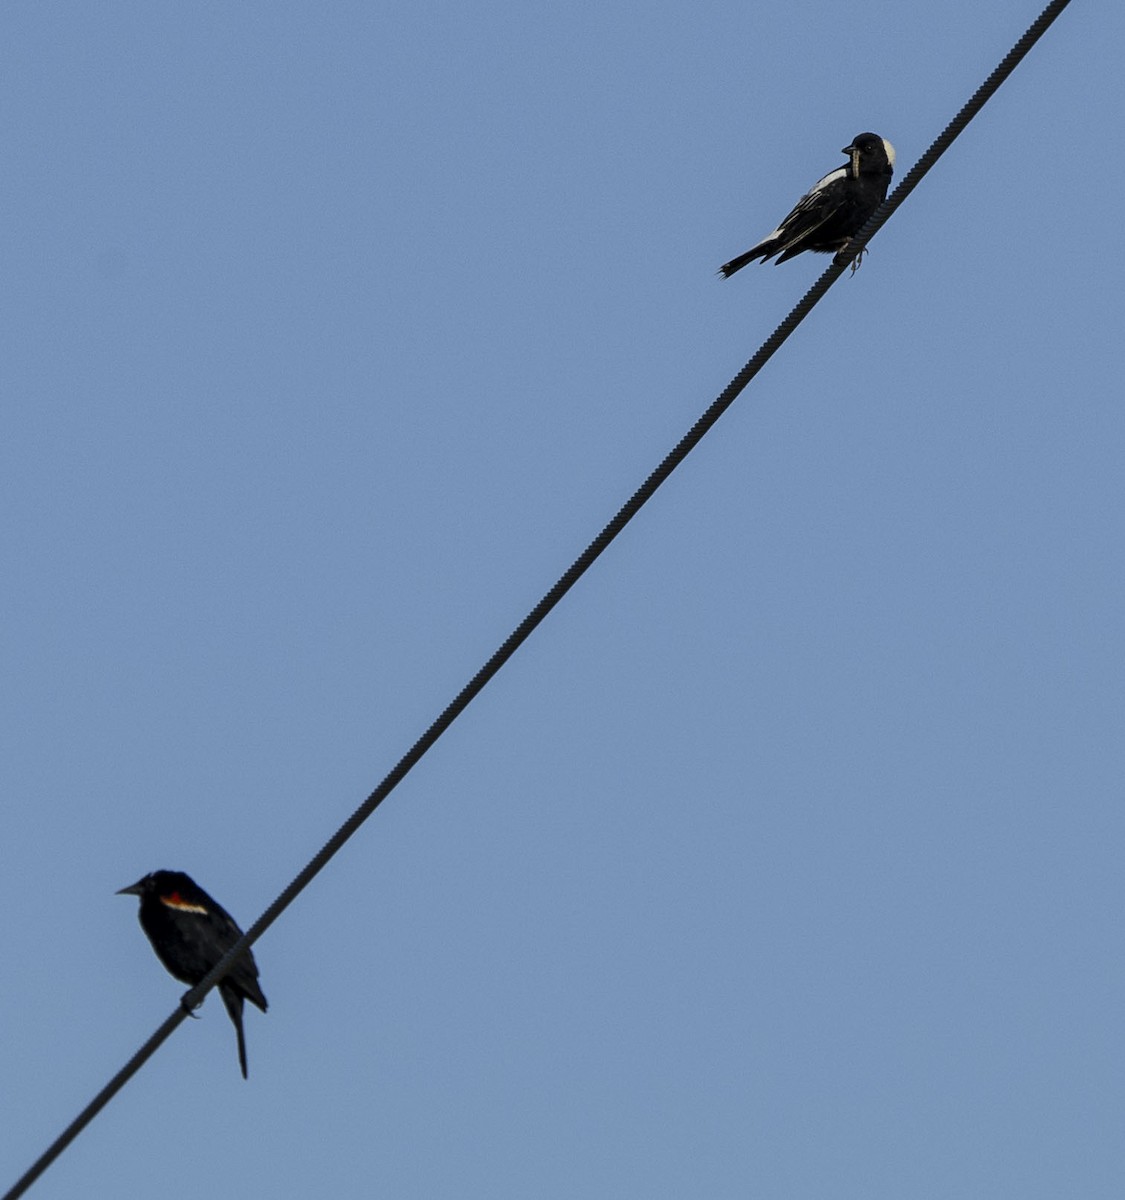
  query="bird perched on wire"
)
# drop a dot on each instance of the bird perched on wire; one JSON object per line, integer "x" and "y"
{"x": 834, "y": 211}
{"x": 190, "y": 933}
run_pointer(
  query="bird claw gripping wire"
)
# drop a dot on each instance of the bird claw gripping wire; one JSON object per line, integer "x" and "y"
{"x": 857, "y": 261}
{"x": 191, "y": 1009}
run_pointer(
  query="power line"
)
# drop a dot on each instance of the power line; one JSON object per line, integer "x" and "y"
{"x": 575, "y": 572}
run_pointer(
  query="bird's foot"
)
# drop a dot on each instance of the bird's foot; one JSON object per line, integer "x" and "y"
{"x": 842, "y": 256}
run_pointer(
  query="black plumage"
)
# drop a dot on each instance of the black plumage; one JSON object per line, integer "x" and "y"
{"x": 190, "y": 933}
{"x": 834, "y": 211}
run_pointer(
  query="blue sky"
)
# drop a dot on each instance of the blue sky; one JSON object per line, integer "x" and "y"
{"x": 785, "y": 860}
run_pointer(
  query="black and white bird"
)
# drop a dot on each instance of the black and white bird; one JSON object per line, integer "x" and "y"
{"x": 834, "y": 211}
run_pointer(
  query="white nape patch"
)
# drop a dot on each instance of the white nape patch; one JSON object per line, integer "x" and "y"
{"x": 890, "y": 151}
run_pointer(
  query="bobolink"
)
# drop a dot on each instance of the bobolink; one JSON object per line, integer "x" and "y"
{"x": 834, "y": 211}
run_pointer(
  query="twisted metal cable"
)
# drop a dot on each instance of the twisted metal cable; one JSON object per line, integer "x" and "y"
{"x": 575, "y": 572}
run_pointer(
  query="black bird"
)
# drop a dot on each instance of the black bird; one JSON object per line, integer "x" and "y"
{"x": 834, "y": 211}
{"x": 190, "y": 932}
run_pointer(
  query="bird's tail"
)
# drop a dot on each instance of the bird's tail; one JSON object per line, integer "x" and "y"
{"x": 736, "y": 264}
{"x": 233, "y": 1001}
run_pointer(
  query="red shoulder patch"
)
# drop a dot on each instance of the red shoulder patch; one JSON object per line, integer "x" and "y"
{"x": 176, "y": 901}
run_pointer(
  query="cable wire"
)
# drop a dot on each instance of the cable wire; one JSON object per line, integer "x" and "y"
{"x": 192, "y": 998}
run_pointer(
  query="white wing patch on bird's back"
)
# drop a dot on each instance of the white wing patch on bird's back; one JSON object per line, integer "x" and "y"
{"x": 831, "y": 177}
{"x": 809, "y": 200}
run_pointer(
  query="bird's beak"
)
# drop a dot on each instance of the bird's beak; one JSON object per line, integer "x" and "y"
{"x": 133, "y": 890}
{"x": 854, "y": 156}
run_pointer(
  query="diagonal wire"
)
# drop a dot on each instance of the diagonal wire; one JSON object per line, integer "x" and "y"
{"x": 577, "y": 569}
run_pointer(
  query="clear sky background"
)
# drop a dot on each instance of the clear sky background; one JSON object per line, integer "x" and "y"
{"x": 785, "y": 861}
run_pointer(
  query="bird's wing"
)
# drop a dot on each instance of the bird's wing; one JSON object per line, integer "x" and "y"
{"x": 810, "y": 212}
{"x": 244, "y": 974}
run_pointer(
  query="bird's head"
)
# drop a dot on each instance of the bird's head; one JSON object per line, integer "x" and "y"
{"x": 143, "y": 887}
{"x": 870, "y": 154}
{"x": 173, "y": 888}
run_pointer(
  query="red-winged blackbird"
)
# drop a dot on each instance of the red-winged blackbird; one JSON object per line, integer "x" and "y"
{"x": 834, "y": 211}
{"x": 190, "y": 933}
